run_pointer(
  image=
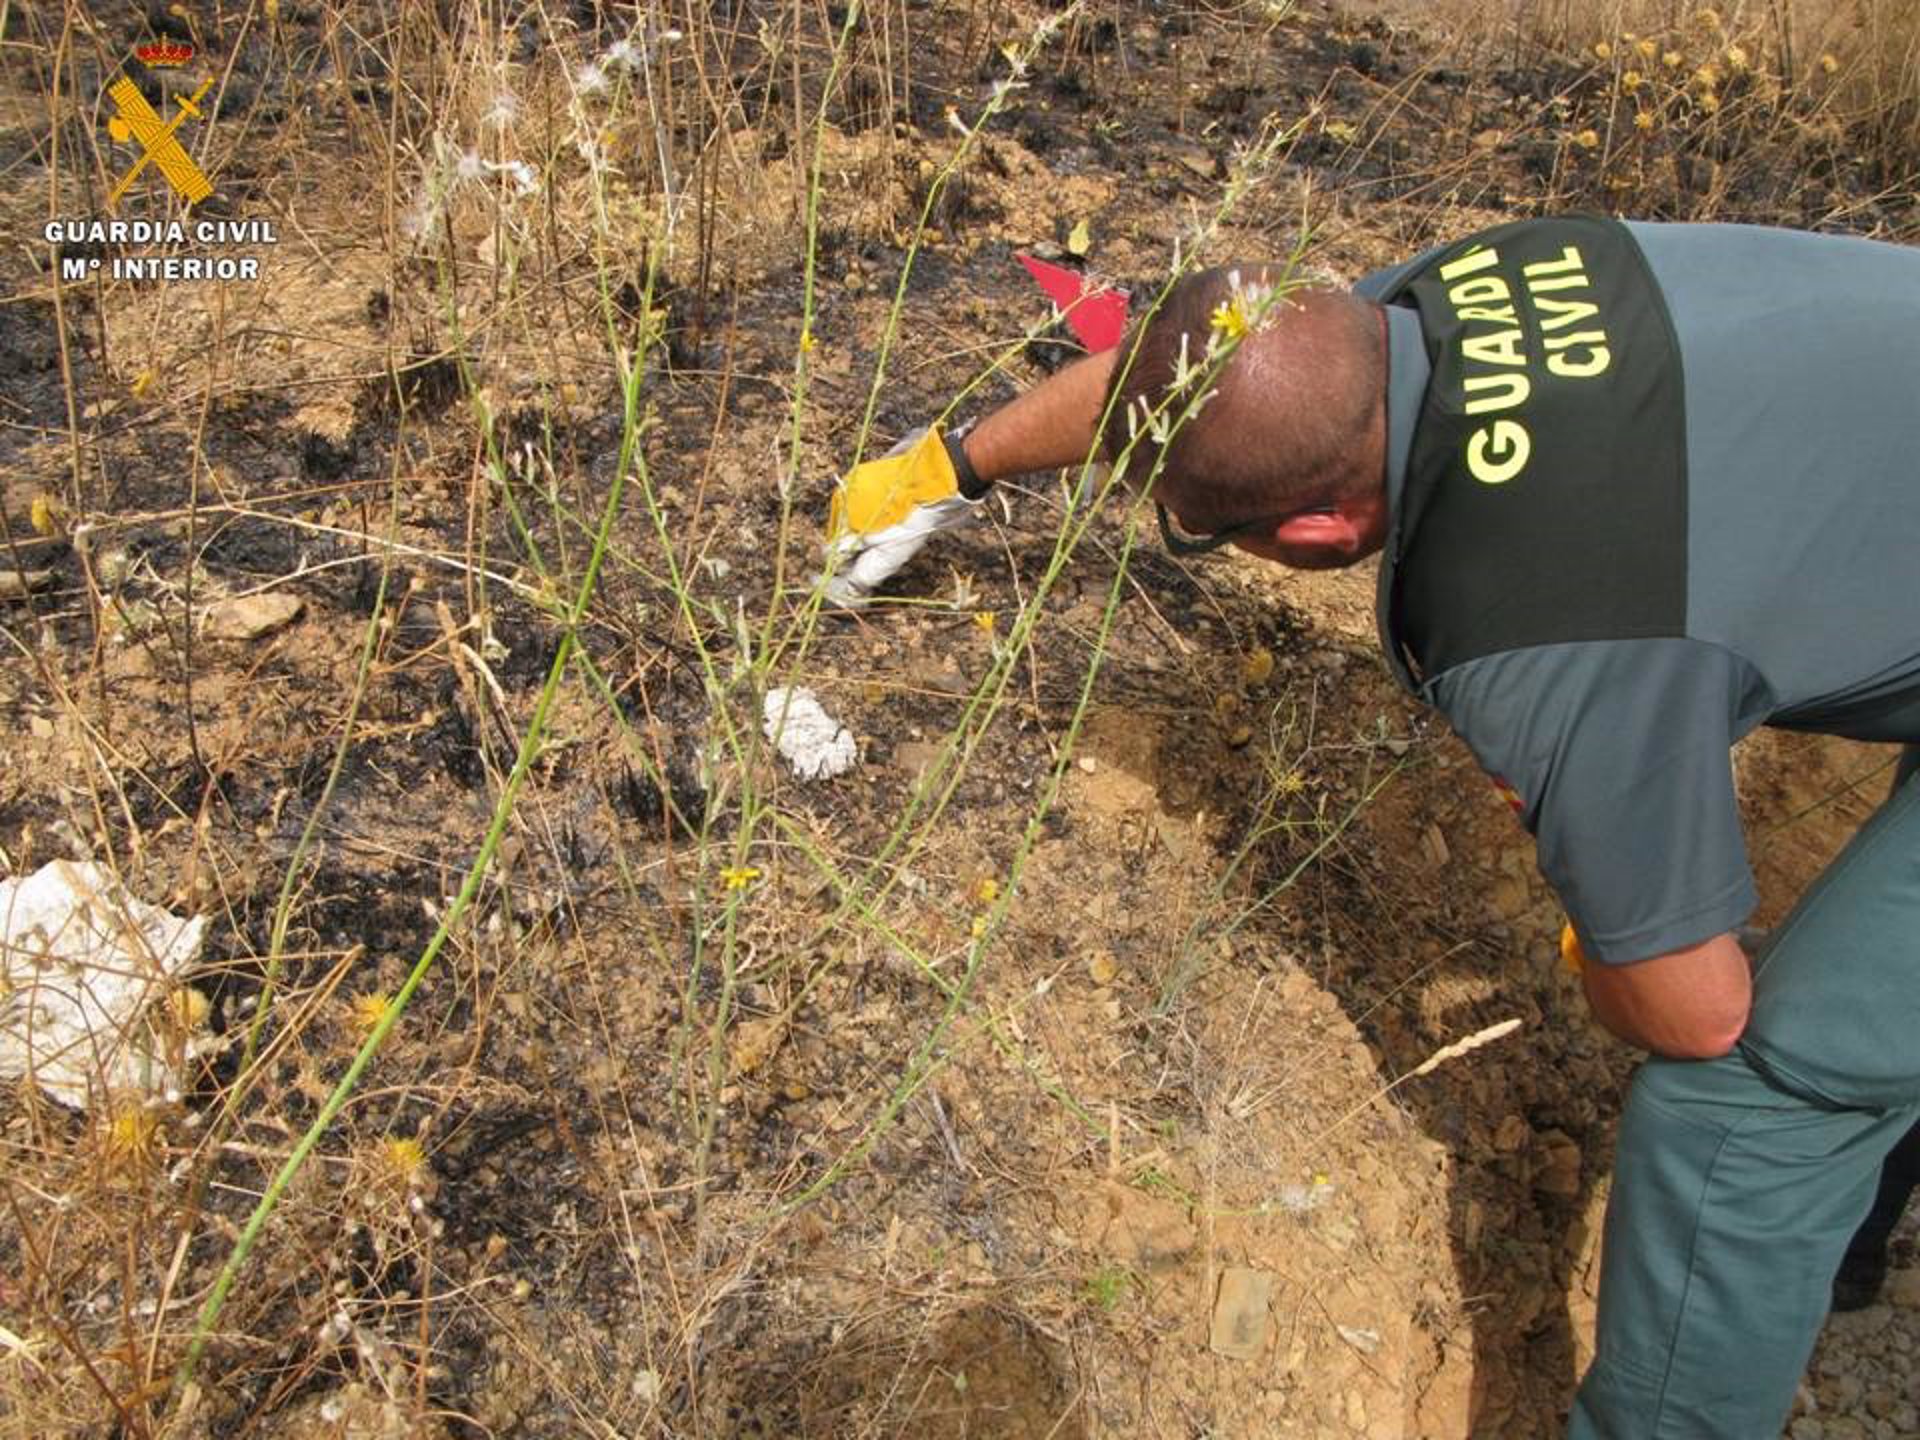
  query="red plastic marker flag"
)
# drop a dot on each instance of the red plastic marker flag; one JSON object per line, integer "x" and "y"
{"x": 1097, "y": 314}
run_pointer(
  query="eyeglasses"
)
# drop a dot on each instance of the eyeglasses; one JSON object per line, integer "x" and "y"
{"x": 1181, "y": 543}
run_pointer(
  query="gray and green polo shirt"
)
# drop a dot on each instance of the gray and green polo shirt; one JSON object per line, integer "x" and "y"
{"x": 1651, "y": 486}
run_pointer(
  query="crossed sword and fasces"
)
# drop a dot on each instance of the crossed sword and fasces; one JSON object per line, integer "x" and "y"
{"x": 138, "y": 121}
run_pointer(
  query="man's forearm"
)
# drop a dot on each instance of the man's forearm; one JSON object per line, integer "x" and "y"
{"x": 1688, "y": 1005}
{"x": 1052, "y": 425}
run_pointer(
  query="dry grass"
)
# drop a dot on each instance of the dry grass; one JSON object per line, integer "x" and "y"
{"x": 1793, "y": 82}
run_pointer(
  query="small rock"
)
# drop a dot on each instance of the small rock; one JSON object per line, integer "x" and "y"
{"x": 1510, "y": 1134}
{"x": 1365, "y": 1341}
{"x": 1240, "y": 1313}
{"x": 914, "y": 756}
{"x": 754, "y": 1042}
{"x": 1356, "y": 1410}
{"x": 1903, "y": 1289}
{"x": 16, "y": 583}
{"x": 248, "y": 617}
{"x": 1508, "y": 896}
{"x": 1559, "y": 1172}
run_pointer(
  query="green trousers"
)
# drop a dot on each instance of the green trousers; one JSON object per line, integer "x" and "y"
{"x": 1738, "y": 1181}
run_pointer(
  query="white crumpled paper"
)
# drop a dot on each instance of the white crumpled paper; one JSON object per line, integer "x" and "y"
{"x": 80, "y": 959}
{"x": 816, "y": 745}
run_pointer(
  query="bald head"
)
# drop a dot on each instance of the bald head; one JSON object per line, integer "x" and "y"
{"x": 1293, "y": 417}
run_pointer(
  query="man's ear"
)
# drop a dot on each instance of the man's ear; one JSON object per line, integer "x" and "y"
{"x": 1346, "y": 531}
{"x": 1332, "y": 529}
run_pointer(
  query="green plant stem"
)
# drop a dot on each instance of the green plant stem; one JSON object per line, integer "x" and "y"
{"x": 529, "y": 749}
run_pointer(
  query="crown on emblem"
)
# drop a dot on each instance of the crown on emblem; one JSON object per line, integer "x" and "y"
{"x": 164, "y": 53}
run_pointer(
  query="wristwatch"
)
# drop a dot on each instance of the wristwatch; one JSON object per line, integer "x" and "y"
{"x": 968, "y": 478}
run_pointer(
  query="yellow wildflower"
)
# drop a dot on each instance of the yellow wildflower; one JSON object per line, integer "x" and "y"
{"x": 738, "y": 877}
{"x": 403, "y": 1157}
{"x": 985, "y": 621}
{"x": 807, "y": 342}
{"x": 1647, "y": 49}
{"x": 1736, "y": 58}
{"x": 1707, "y": 76}
{"x": 1229, "y": 319}
{"x": 1672, "y": 59}
{"x": 189, "y": 1008}
{"x": 979, "y": 927}
{"x": 986, "y": 890}
{"x": 1587, "y": 139}
{"x": 1710, "y": 103}
{"x": 368, "y": 1008}
{"x": 1643, "y": 121}
{"x": 1709, "y": 18}
{"x": 1603, "y": 51}
{"x": 1632, "y": 81}
{"x": 1828, "y": 64}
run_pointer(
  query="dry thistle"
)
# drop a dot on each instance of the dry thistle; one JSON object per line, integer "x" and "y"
{"x": 133, "y": 1137}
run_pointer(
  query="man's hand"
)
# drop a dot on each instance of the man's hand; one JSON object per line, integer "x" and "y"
{"x": 884, "y": 510}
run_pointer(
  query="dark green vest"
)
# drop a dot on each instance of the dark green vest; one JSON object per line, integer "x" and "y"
{"x": 1546, "y": 492}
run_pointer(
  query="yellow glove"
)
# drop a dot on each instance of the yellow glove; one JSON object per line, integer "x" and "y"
{"x": 884, "y": 510}
{"x": 1571, "y": 955}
